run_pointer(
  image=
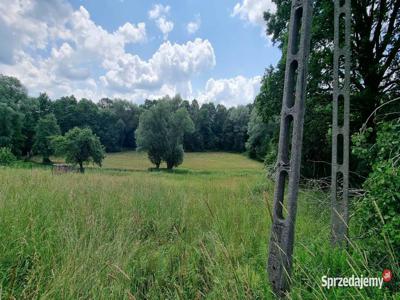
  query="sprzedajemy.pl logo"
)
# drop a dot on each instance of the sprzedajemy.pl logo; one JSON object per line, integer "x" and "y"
{"x": 357, "y": 282}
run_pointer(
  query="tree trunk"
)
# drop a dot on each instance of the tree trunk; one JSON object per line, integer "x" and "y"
{"x": 46, "y": 160}
{"x": 81, "y": 168}
{"x": 157, "y": 166}
{"x": 170, "y": 165}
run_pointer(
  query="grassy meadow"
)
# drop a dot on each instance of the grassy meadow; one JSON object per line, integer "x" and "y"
{"x": 124, "y": 232}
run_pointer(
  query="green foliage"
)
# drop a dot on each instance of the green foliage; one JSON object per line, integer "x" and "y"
{"x": 378, "y": 212}
{"x": 79, "y": 146}
{"x": 269, "y": 100}
{"x": 44, "y": 105}
{"x": 30, "y": 110}
{"x": 11, "y": 128}
{"x": 260, "y": 135}
{"x": 387, "y": 146}
{"x": 128, "y": 118}
{"x": 65, "y": 111}
{"x": 46, "y": 129}
{"x": 11, "y": 90}
{"x": 193, "y": 141}
{"x": 375, "y": 65}
{"x": 115, "y": 121}
{"x": 6, "y": 156}
{"x": 217, "y": 128}
{"x": 13, "y": 98}
{"x": 161, "y": 131}
{"x": 205, "y": 126}
{"x": 107, "y": 130}
{"x": 235, "y": 128}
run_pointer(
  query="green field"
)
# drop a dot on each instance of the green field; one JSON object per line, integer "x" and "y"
{"x": 124, "y": 232}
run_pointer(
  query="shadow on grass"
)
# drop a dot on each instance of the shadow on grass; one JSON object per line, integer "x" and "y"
{"x": 174, "y": 171}
{"x": 29, "y": 165}
{"x": 93, "y": 169}
{"x": 180, "y": 171}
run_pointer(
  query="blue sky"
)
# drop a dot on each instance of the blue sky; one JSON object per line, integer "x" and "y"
{"x": 136, "y": 49}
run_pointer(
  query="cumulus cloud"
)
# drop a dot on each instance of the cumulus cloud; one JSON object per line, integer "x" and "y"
{"x": 159, "y": 10}
{"x": 84, "y": 59}
{"x": 193, "y": 26}
{"x": 171, "y": 64}
{"x": 159, "y": 13}
{"x": 252, "y": 11}
{"x": 54, "y": 48}
{"x": 29, "y": 23}
{"x": 86, "y": 46}
{"x": 132, "y": 33}
{"x": 26, "y": 29}
{"x": 232, "y": 91}
{"x": 165, "y": 26}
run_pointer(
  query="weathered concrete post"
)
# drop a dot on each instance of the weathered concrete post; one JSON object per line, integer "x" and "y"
{"x": 340, "y": 122}
{"x": 290, "y": 144}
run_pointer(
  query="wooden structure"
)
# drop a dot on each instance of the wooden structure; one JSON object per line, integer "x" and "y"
{"x": 62, "y": 169}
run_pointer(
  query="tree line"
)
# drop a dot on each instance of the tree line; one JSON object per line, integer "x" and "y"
{"x": 26, "y": 122}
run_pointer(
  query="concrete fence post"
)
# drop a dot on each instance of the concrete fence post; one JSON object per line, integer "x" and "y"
{"x": 290, "y": 144}
{"x": 340, "y": 122}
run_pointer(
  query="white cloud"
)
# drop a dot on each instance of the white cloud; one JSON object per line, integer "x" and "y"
{"x": 78, "y": 49}
{"x": 26, "y": 29}
{"x": 159, "y": 10}
{"x": 132, "y": 33}
{"x": 230, "y": 92}
{"x": 84, "y": 59}
{"x": 165, "y": 26}
{"x": 159, "y": 14}
{"x": 91, "y": 38}
{"x": 172, "y": 64}
{"x": 29, "y": 23}
{"x": 252, "y": 11}
{"x": 193, "y": 26}
{"x": 54, "y": 48}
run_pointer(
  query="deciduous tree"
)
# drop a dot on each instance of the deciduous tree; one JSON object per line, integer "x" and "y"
{"x": 160, "y": 133}
{"x": 80, "y": 146}
{"x": 46, "y": 129}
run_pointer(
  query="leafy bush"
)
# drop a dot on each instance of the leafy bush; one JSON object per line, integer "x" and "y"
{"x": 260, "y": 135}
{"x": 6, "y": 156}
{"x": 79, "y": 146}
{"x": 387, "y": 146}
{"x": 378, "y": 212}
{"x": 271, "y": 157}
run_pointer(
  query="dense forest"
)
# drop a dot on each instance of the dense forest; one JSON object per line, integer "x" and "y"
{"x": 114, "y": 121}
{"x": 375, "y": 76}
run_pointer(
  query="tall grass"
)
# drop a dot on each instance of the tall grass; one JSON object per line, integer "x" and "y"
{"x": 197, "y": 234}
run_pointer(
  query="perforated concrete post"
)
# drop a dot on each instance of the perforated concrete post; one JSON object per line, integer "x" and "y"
{"x": 340, "y": 122}
{"x": 290, "y": 144}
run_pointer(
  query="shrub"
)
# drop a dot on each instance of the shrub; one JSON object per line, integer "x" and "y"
{"x": 79, "y": 146}
{"x": 6, "y": 156}
{"x": 378, "y": 212}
